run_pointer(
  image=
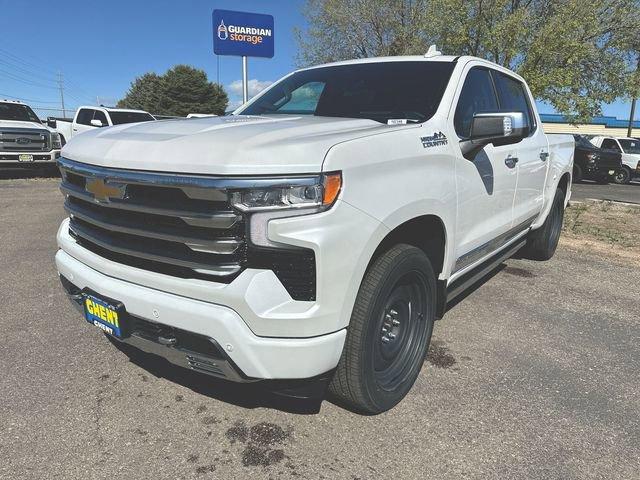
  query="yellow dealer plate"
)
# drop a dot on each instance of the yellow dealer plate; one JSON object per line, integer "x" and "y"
{"x": 107, "y": 315}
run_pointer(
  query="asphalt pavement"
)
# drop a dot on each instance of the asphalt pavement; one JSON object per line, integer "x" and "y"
{"x": 533, "y": 375}
{"x": 588, "y": 190}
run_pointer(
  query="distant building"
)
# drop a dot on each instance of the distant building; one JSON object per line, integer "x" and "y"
{"x": 611, "y": 126}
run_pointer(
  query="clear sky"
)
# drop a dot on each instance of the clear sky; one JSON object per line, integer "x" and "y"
{"x": 101, "y": 46}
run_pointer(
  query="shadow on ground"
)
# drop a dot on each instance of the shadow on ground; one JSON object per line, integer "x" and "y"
{"x": 268, "y": 394}
{"x": 49, "y": 171}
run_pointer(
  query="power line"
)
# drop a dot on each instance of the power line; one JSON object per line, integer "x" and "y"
{"x": 6, "y": 95}
{"x": 24, "y": 67}
{"x": 19, "y": 78}
{"x": 24, "y": 70}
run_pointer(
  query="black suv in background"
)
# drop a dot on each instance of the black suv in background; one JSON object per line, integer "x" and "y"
{"x": 594, "y": 163}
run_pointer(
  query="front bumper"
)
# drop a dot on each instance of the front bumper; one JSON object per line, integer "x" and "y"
{"x": 244, "y": 356}
{"x": 37, "y": 158}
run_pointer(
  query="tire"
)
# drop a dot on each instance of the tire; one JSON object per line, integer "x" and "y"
{"x": 389, "y": 333}
{"x": 542, "y": 242}
{"x": 622, "y": 176}
{"x": 577, "y": 173}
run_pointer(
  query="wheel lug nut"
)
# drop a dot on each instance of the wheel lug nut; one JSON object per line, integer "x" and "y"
{"x": 393, "y": 312}
{"x": 396, "y": 322}
{"x": 385, "y": 339}
{"x": 391, "y": 335}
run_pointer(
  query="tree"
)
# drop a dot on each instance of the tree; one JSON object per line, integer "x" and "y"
{"x": 181, "y": 90}
{"x": 572, "y": 52}
{"x": 144, "y": 94}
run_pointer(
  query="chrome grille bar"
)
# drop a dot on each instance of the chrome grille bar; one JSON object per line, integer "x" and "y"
{"x": 223, "y": 246}
{"x": 219, "y": 220}
{"x": 108, "y": 243}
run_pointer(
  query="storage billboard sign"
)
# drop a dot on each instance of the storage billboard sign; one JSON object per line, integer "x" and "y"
{"x": 242, "y": 34}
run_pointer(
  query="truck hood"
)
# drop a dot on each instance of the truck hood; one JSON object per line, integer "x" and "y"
{"x": 233, "y": 145}
{"x": 25, "y": 125}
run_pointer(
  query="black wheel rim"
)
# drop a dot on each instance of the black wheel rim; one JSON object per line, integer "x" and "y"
{"x": 401, "y": 333}
{"x": 621, "y": 176}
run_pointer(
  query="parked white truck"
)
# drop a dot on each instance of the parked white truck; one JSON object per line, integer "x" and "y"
{"x": 319, "y": 231}
{"x": 90, "y": 118}
{"x": 629, "y": 148}
{"x": 24, "y": 140}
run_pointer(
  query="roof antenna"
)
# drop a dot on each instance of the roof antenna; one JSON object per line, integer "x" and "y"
{"x": 432, "y": 52}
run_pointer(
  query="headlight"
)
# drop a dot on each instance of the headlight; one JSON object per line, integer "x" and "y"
{"x": 286, "y": 198}
{"x": 55, "y": 140}
{"x": 314, "y": 193}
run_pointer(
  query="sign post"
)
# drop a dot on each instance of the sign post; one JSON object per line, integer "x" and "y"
{"x": 244, "y": 35}
{"x": 245, "y": 81}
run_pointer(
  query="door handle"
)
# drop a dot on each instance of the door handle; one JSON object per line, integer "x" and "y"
{"x": 544, "y": 156}
{"x": 511, "y": 161}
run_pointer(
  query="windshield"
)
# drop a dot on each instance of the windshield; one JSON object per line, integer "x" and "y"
{"x": 379, "y": 91}
{"x": 630, "y": 146}
{"x": 119, "y": 118}
{"x": 583, "y": 142}
{"x": 18, "y": 112}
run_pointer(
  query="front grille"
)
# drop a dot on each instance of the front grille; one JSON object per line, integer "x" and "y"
{"x": 21, "y": 140}
{"x": 176, "y": 225}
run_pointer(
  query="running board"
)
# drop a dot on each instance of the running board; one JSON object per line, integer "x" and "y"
{"x": 468, "y": 279}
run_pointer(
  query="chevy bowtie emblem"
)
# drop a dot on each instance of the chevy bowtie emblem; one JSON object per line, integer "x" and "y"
{"x": 103, "y": 191}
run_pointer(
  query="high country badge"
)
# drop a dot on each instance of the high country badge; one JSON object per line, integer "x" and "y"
{"x": 436, "y": 140}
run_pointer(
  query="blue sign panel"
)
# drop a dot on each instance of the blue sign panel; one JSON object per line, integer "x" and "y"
{"x": 242, "y": 34}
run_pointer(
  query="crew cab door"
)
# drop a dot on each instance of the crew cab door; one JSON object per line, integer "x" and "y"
{"x": 532, "y": 151}
{"x": 486, "y": 184}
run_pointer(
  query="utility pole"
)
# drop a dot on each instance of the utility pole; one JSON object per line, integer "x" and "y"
{"x": 60, "y": 84}
{"x": 631, "y": 115}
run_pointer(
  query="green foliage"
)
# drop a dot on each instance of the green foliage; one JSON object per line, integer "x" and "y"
{"x": 575, "y": 54}
{"x": 182, "y": 90}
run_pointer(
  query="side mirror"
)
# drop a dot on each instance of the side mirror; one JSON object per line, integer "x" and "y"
{"x": 52, "y": 122}
{"x": 495, "y": 128}
{"x": 96, "y": 123}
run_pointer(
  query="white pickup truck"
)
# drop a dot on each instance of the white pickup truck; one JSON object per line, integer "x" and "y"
{"x": 629, "y": 148}
{"x": 90, "y": 118}
{"x": 319, "y": 231}
{"x": 24, "y": 140}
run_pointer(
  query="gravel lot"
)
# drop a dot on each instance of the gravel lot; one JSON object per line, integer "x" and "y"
{"x": 533, "y": 375}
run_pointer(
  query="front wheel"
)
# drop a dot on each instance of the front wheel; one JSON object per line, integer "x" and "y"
{"x": 622, "y": 176}
{"x": 389, "y": 332}
{"x": 542, "y": 242}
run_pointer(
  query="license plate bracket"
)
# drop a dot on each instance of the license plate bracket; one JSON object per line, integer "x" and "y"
{"x": 105, "y": 313}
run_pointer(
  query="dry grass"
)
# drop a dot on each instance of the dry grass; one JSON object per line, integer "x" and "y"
{"x": 604, "y": 228}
